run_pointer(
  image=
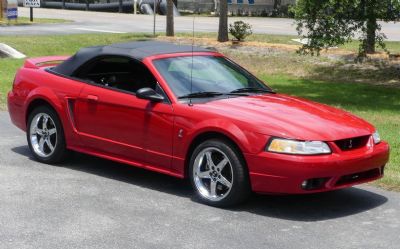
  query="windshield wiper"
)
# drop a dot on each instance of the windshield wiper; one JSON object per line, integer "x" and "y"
{"x": 200, "y": 95}
{"x": 251, "y": 90}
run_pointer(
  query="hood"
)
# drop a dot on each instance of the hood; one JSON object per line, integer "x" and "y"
{"x": 290, "y": 117}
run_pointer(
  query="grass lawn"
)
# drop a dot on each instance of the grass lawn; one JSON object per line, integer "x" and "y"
{"x": 26, "y": 21}
{"x": 393, "y": 47}
{"x": 287, "y": 73}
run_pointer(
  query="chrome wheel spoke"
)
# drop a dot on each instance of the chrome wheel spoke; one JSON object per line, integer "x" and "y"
{"x": 44, "y": 122}
{"x": 210, "y": 162}
{"x": 38, "y": 132}
{"x": 225, "y": 182}
{"x": 52, "y": 131}
{"x": 51, "y": 147}
{"x": 221, "y": 165}
{"x": 204, "y": 174}
{"x": 41, "y": 144}
{"x": 213, "y": 188}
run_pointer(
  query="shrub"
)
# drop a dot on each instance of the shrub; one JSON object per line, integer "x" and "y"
{"x": 240, "y": 30}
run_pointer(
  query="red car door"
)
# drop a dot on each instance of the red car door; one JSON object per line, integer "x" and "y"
{"x": 158, "y": 134}
{"x": 124, "y": 126}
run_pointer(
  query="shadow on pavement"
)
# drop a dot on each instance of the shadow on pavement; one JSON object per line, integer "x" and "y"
{"x": 312, "y": 207}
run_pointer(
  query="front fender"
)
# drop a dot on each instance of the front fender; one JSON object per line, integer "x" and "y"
{"x": 187, "y": 130}
{"x": 222, "y": 126}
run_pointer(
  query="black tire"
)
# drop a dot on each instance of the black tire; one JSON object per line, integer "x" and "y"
{"x": 240, "y": 184}
{"x": 60, "y": 151}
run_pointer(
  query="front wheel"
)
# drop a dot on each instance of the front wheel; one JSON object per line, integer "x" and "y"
{"x": 45, "y": 136}
{"x": 218, "y": 174}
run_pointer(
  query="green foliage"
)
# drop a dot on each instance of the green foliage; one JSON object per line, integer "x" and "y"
{"x": 240, "y": 30}
{"x": 328, "y": 23}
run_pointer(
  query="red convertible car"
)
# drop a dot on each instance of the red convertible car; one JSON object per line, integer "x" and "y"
{"x": 190, "y": 112}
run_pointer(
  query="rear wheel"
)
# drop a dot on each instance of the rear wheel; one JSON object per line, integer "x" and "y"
{"x": 218, "y": 174}
{"x": 45, "y": 136}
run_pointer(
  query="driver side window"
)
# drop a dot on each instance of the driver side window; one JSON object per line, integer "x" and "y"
{"x": 118, "y": 72}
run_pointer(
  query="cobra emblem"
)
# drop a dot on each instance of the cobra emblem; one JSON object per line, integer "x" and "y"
{"x": 350, "y": 143}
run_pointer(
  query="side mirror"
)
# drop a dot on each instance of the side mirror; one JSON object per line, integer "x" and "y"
{"x": 149, "y": 94}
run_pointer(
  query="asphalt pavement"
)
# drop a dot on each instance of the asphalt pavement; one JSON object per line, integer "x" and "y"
{"x": 103, "y": 22}
{"x": 94, "y": 203}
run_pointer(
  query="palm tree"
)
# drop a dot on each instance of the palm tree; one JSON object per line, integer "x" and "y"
{"x": 223, "y": 21}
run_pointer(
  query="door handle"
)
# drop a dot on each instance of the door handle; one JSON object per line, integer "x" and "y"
{"x": 92, "y": 98}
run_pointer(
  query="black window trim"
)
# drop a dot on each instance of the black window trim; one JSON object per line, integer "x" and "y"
{"x": 167, "y": 100}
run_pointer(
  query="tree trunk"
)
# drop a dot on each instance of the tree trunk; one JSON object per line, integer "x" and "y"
{"x": 223, "y": 21}
{"x": 277, "y": 7}
{"x": 371, "y": 25}
{"x": 170, "y": 18}
{"x": 371, "y": 35}
{"x": 1, "y": 10}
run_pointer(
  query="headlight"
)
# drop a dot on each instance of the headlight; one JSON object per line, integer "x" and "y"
{"x": 287, "y": 146}
{"x": 376, "y": 137}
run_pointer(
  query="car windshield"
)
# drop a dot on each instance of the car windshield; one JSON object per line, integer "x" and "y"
{"x": 206, "y": 76}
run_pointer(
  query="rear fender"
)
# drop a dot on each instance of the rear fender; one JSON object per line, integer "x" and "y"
{"x": 45, "y": 94}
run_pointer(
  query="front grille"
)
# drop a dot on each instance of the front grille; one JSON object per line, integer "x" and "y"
{"x": 359, "y": 177}
{"x": 352, "y": 143}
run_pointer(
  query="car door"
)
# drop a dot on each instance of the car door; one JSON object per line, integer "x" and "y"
{"x": 117, "y": 123}
{"x": 111, "y": 122}
{"x": 158, "y": 133}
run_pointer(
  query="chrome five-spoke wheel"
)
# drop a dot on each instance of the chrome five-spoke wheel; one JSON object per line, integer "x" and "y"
{"x": 213, "y": 174}
{"x": 218, "y": 173}
{"x": 43, "y": 135}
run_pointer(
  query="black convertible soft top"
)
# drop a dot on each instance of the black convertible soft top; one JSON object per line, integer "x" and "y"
{"x": 136, "y": 50}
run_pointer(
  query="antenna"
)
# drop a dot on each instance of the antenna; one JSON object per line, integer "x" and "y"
{"x": 191, "y": 67}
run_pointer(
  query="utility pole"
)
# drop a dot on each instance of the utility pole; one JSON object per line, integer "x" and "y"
{"x": 155, "y": 13}
{"x": 120, "y": 6}
{"x": 135, "y": 7}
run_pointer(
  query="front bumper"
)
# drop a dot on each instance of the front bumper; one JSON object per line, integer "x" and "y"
{"x": 284, "y": 174}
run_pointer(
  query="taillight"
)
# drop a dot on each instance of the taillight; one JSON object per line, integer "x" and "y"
{"x": 13, "y": 85}
{"x": 15, "y": 81}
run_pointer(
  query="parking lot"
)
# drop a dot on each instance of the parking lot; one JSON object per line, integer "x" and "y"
{"x": 94, "y": 203}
